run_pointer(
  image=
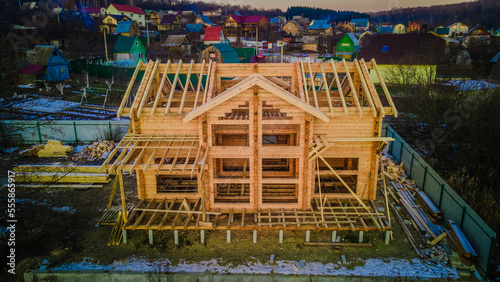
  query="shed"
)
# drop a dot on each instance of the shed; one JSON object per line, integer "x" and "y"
{"x": 348, "y": 47}
{"x": 47, "y": 63}
{"x": 321, "y": 27}
{"x": 179, "y": 41}
{"x": 220, "y": 53}
{"x": 129, "y": 48}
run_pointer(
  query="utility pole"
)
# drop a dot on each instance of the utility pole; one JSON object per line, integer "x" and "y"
{"x": 147, "y": 30}
{"x": 105, "y": 45}
{"x": 257, "y": 41}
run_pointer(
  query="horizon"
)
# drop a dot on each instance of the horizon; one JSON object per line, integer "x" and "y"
{"x": 363, "y": 6}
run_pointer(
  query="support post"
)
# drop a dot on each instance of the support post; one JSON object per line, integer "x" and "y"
{"x": 387, "y": 237}
{"x": 255, "y": 219}
{"x": 124, "y": 233}
{"x": 361, "y": 236}
{"x": 308, "y": 236}
{"x": 255, "y": 236}
{"x": 176, "y": 237}
{"x": 281, "y": 236}
{"x": 229, "y": 236}
{"x": 122, "y": 194}
{"x": 150, "y": 236}
{"x": 334, "y": 236}
{"x": 202, "y": 236}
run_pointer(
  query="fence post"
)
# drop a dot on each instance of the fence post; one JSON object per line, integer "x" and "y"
{"x": 464, "y": 211}
{"x": 425, "y": 176}
{"x": 441, "y": 196}
{"x": 401, "y": 151}
{"x": 411, "y": 163}
{"x": 39, "y": 133}
{"x": 110, "y": 134}
{"x": 74, "y": 128}
{"x": 392, "y": 143}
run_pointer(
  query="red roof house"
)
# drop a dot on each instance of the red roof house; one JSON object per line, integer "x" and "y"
{"x": 213, "y": 34}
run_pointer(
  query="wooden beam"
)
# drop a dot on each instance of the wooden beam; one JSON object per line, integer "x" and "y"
{"x": 384, "y": 87}
{"x": 339, "y": 86}
{"x": 365, "y": 87}
{"x": 122, "y": 194}
{"x": 371, "y": 87}
{"x": 207, "y": 82}
{"x": 353, "y": 90}
{"x": 174, "y": 84}
{"x": 188, "y": 79}
{"x": 148, "y": 87}
{"x": 327, "y": 90}
{"x": 304, "y": 81}
{"x": 129, "y": 89}
{"x": 313, "y": 84}
{"x": 200, "y": 82}
{"x": 160, "y": 89}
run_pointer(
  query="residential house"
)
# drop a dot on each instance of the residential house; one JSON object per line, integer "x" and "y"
{"x": 110, "y": 22}
{"x": 360, "y": 24}
{"x": 220, "y": 53}
{"x": 194, "y": 28}
{"x": 129, "y": 48}
{"x": 310, "y": 43}
{"x": 478, "y": 32}
{"x": 420, "y": 52}
{"x": 204, "y": 20}
{"x": 443, "y": 32}
{"x": 277, "y": 22}
{"x": 133, "y": 13}
{"x": 399, "y": 29}
{"x": 170, "y": 22}
{"x": 181, "y": 41}
{"x": 458, "y": 29}
{"x": 94, "y": 12}
{"x": 386, "y": 29}
{"x": 366, "y": 35}
{"x": 320, "y": 27}
{"x": 66, "y": 5}
{"x": 415, "y": 26}
{"x": 46, "y": 63}
{"x": 293, "y": 28}
{"x": 155, "y": 17}
{"x": 236, "y": 27}
{"x": 304, "y": 22}
{"x": 347, "y": 47}
{"x": 214, "y": 13}
{"x": 213, "y": 34}
{"x": 128, "y": 28}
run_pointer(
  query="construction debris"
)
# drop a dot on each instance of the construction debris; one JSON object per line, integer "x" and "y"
{"x": 54, "y": 149}
{"x": 95, "y": 151}
{"x": 60, "y": 174}
{"x": 426, "y": 218}
{"x": 32, "y": 151}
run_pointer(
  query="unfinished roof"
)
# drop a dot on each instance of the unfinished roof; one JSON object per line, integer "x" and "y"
{"x": 334, "y": 92}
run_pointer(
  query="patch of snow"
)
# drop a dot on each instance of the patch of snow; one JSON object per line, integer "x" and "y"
{"x": 45, "y": 105}
{"x": 10, "y": 150}
{"x": 31, "y": 85}
{"x": 415, "y": 268}
{"x": 46, "y": 205}
{"x": 123, "y": 63}
{"x": 79, "y": 148}
{"x": 467, "y": 85}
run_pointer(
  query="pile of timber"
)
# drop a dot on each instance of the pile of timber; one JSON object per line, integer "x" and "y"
{"x": 95, "y": 151}
{"x": 53, "y": 149}
{"x": 116, "y": 234}
{"x": 426, "y": 218}
{"x": 60, "y": 174}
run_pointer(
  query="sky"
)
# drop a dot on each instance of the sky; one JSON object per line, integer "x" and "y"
{"x": 352, "y": 5}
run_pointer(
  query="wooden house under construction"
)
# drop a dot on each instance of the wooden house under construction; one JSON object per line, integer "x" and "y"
{"x": 291, "y": 145}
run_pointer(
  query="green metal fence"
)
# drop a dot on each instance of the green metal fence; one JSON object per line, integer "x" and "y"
{"x": 452, "y": 206}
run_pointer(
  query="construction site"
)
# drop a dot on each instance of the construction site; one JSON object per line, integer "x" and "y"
{"x": 257, "y": 154}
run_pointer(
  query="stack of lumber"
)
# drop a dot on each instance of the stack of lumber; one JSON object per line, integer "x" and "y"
{"x": 54, "y": 149}
{"x": 461, "y": 244}
{"x": 429, "y": 207}
{"x": 31, "y": 151}
{"x": 419, "y": 218}
{"x": 95, "y": 151}
{"x": 59, "y": 174}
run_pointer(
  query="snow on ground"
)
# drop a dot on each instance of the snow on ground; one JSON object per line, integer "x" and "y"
{"x": 31, "y": 85}
{"x": 79, "y": 148}
{"x": 43, "y": 204}
{"x": 415, "y": 268}
{"x": 465, "y": 85}
{"x": 10, "y": 150}
{"x": 45, "y": 105}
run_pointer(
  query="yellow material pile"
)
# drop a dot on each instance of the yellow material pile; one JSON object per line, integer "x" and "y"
{"x": 95, "y": 151}
{"x": 54, "y": 149}
{"x": 392, "y": 171}
{"x": 32, "y": 151}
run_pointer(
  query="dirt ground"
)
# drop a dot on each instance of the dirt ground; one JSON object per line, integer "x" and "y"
{"x": 60, "y": 226}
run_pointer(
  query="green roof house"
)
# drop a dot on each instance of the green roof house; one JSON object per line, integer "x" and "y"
{"x": 348, "y": 47}
{"x": 129, "y": 48}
